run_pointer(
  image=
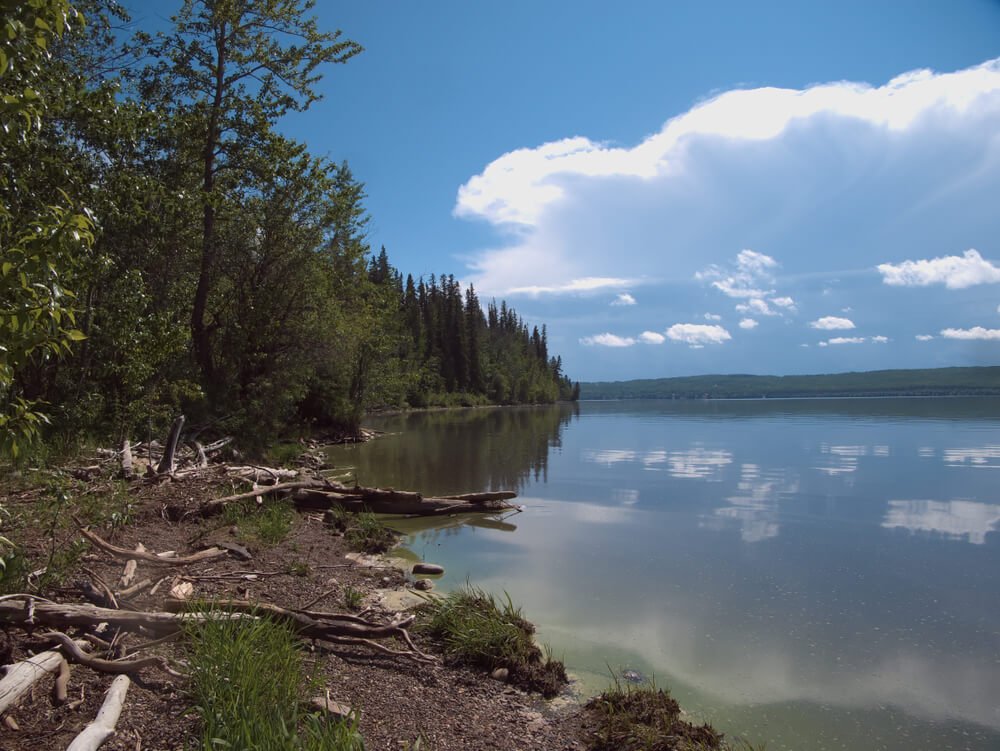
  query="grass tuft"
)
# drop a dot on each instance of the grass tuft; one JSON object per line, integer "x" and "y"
{"x": 475, "y": 630}
{"x": 363, "y": 530}
{"x": 647, "y": 718}
{"x": 247, "y": 686}
{"x": 269, "y": 523}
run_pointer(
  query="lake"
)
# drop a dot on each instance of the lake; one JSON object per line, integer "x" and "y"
{"x": 816, "y": 574}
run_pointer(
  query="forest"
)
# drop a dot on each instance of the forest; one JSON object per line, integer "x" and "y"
{"x": 973, "y": 381}
{"x": 166, "y": 249}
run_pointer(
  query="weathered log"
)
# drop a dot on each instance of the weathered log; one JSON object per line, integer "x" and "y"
{"x": 495, "y": 495}
{"x": 392, "y": 502}
{"x": 23, "y": 675}
{"x": 103, "y": 726}
{"x": 166, "y": 465}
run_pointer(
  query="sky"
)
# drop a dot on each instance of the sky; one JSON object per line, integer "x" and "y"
{"x": 678, "y": 188}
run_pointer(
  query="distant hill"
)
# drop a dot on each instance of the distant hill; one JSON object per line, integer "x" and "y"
{"x": 930, "y": 382}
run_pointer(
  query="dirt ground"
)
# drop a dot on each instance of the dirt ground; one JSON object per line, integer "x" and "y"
{"x": 400, "y": 701}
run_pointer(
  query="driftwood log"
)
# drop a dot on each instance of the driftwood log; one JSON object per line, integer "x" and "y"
{"x": 23, "y": 675}
{"x": 388, "y": 501}
{"x": 103, "y": 726}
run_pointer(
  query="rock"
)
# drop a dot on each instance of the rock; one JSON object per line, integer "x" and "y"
{"x": 633, "y": 676}
{"x": 423, "y": 584}
{"x": 428, "y": 568}
{"x": 500, "y": 674}
{"x": 325, "y": 704}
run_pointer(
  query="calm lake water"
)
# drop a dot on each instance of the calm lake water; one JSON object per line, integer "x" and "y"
{"x": 816, "y": 574}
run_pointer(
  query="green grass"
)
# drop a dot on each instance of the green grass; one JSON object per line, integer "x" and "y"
{"x": 364, "y": 531}
{"x": 475, "y": 630}
{"x": 247, "y": 687}
{"x": 269, "y": 523}
{"x": 647, "y": 718}
{"x": 353, "y": 598}
{"x": 284, "y": 454}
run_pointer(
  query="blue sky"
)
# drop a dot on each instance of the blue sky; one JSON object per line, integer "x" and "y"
{"x": 682, "y": 187}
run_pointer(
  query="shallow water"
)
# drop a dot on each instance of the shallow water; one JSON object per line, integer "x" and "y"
{"x": 816, "y": 574}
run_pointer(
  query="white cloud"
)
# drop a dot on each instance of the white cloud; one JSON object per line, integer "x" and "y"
{"x": 624, "y": 298}
{"x": 712, "y": 317}
{"x": 748, "y": 323}
{"x": 976, "y": 332}
{"x": 954, "y": 272}
{"x": 924, "y": 337}
{"x": 586, "y": 284}
{"x": 820, "y": 344}
{"x": 880, "y": 339}
{"x": 698, "y": 334}
{"x": 784, "y": 302}
{"x": 518, "y": 187}
{"x": 651, "y": 337}
{"x": 746, "y": 279}
{"x": 846, "y": 340}
{"x": 608, "y": 340}
{"x": 831, "y": 323}
{"x": 756, "y": 306}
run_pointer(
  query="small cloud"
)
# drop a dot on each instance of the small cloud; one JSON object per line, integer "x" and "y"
{"x": 624, "y": 298}
{"x": 831, "y": 323}
{"x": 651, "y": 337}
{"x": 784, "y": 302}
{"x": 748, "y": 323}
{"x": 846, "y": 340}
{"x": 954, "y": 272}
{"x": 745, "y": 279}
{"x": 821, "y": 344}
{"x": 755, "y": 306}
{"x": 880, "y": 339}
{"x": 712, "y": 317}
{"x": 806, "y": 346}
{"x": 608, "y": 340}
{"x": 924, "y": 337}
{"x": 697, "y": 334}
{"x": 976, "y": 332}
{"x": 586, "y": 284}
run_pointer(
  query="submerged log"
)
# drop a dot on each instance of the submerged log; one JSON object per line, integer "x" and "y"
{"x": 388, "y": 501}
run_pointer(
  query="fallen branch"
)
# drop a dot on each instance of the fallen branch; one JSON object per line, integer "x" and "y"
{"x": 331, "y": 627}
{"x": 103, "y": 726}
{"x": 134, "y": 589}
{"x": 214, "y": 506}
{"x": 107, "y": 547}
{"x": 118, "y": 667}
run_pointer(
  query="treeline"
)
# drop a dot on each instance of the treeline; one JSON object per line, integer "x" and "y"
{"x": 166, "y": 248}
{"x": 977, "y": 381}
